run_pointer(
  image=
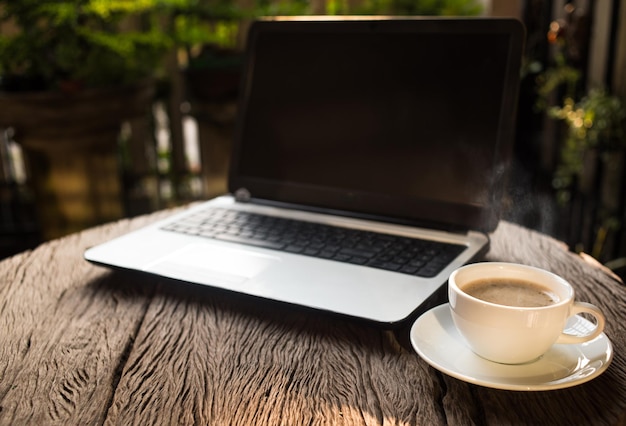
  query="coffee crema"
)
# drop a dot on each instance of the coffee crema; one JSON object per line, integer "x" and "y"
{"x": 511, "y": 292}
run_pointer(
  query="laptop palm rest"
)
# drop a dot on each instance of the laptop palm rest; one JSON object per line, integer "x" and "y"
{"x": 205, "y": 264}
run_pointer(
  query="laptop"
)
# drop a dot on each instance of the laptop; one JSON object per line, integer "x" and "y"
{"x": 372, "y": 154}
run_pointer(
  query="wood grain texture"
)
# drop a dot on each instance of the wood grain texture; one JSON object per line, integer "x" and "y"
{"x": 84, "y": 345}
{"x": 227, "y": 359}
{"x": 64, "y": 330}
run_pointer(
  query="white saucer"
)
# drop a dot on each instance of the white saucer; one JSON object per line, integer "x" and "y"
{"x": 436, "y": 340}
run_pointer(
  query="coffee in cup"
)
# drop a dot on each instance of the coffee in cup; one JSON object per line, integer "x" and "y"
{"x": 510, "y": 292}
{"x": 513, "y": 314}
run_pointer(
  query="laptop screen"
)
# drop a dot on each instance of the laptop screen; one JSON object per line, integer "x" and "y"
{"x": 410, "y": 119}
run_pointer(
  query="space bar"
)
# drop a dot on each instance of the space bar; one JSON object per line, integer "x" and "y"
{"x": 250, "y": 241}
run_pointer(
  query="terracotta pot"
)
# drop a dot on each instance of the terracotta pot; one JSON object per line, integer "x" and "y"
{"x": 70, "y": 144}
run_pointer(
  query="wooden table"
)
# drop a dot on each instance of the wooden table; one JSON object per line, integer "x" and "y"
{"x": 85, "y": 345}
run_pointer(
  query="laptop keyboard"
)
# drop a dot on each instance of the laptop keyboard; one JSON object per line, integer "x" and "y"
{"x": 384, "y": 251}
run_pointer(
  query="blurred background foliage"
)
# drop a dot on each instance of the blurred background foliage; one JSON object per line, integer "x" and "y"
{"x": 568, "y": 180}
{"x": 70, "y": 44}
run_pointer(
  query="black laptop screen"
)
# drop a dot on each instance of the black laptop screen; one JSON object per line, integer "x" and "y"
{"x": 377, "y": 119}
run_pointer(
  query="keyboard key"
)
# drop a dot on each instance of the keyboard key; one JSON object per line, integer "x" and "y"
{"x": 429, "y": 271}
{"x": 391, "y": 266}
{"x": 357, "y": 252}
{"x": 341, "y": 257}
{"x": 409, "y": 269}
{"x": 294, "y": 249}
{"x": 326, "y": 254}
{"x": 250, "y": 241}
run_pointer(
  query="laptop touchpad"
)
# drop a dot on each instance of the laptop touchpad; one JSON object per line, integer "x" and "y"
{"x": 206, "y": 264}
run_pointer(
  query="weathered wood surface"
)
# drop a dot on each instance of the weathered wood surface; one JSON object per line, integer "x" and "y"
{"x": 84, "y": 345}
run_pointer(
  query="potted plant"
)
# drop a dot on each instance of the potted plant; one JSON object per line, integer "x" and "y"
{"x": 71, "y": 71}
{"x": 588, "y": 173}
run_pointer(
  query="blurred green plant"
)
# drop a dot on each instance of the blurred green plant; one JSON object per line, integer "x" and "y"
{"x": 197, "y": 24}
{"x": 593, "y": 137}
{"x": 559, "y": 77}
{"x": 594, "y": 119}
{"x": 70, "y": 44}
{"x": 596, "y": 122}
{"x": 405, "y": 7}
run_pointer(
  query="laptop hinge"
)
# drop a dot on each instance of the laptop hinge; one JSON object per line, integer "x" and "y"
{"x": 242, "y": 195}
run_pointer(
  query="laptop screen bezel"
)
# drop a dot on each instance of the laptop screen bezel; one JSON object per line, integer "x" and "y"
{"x": 421, "y": 212}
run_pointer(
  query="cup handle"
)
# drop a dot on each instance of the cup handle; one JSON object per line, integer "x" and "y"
{"x": 582, "y": 307}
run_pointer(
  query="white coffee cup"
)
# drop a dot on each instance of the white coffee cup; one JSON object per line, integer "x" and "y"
{"x": 515, "y": 334}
